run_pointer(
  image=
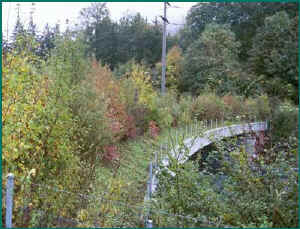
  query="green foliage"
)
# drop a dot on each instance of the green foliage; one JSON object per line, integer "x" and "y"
{"x": 208, "y": 106}
{"x": 139, "y": 95}
{"x": 258, "y": 108}
{"x": 185, "y": 193}
{"x": 240, "y": 193}
{"x": 65, "y": 116}
{"x": 133, "y": 37}
{"x": 67, "y": 63}
{"x": 284, "y": 121}
{"x": 37, "y": 136}
{"x": 275, "y": 55}
{"x": 273, "y": 194}
{"x": 164, "y": 106}
{"x": 173, "y": 68}
{"x": 93, "y": 130}
{"x": 234, "y": 106}
{"x": 124, "y": 70}
{"x": 211, "y": 61}
{"x": 182, "y": 111}
{"x": 182, "y": 195}
{"x": 68, "y": 70}
{"x": 139, "y": 40}
{"x": 243, "y": 17}
{"x": 47, "y": 41}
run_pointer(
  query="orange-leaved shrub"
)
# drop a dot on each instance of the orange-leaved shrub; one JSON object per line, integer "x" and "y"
{"x": 121, "y": 124}
{"x": 234, "y": 106}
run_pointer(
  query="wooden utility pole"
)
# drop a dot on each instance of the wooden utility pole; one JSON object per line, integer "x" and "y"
{"x": 163, "y": 60}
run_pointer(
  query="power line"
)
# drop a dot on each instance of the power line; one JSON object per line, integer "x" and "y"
{"x": 176, "y": 24}
{"x": 176, "y": 7}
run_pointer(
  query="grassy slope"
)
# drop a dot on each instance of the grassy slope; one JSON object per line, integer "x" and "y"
{"x": 122, "y": 184}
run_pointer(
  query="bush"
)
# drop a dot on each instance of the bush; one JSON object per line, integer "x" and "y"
{"x": 38, "y": 146}
{"x": 284, "y": 121}
{"x": 234, "y": 106}
{"x": 208, "y": 106}
{"x": 137, "y": 95}
{"x": 258, "y": 108}
{"x": 173, "y": 69}
{"x": 239, "y": 194}
{"x": 143, "y": 102}
{"x": 107, "y": 88}
{"x": 124, "y": 70}
{"x": 165, "y": 109}
{"x": 182, "y": 111}
{"x": 94, "y": 127}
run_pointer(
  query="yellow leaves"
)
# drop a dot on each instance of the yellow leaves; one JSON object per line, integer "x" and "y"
{"x": 14, "y": 154}
{"x": 228, "y": 218}
{"x": 24, "y": 69}
{"x": 32, "y": 172}
{"x": 82, "y": 215}
{"x": 142, "y": 82}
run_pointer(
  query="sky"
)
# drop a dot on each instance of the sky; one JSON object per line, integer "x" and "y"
{"x": 59, "y": 12}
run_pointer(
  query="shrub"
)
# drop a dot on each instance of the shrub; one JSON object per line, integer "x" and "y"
{"x": 38, "y": 146}
{"x": 258, "y": 108}
{"x": 182, "y": 111}
{"x": 143, "y": 102}
{"x": 238, "y": 194}
{"x": 130, "y": 92}
{"x": 142, "y": 82}
{"x": 263, "y": 107}
{"x": 284, "y": 121}
{"x": 208, "y": 106}
{"x": 108, "y": 88}
{"x": 94, "y": 127}
{"x": 234, "y": 106}
{"x": 164, "y": 109}
{"x": 124, "y": 70}
{"x": 173, "y": 68}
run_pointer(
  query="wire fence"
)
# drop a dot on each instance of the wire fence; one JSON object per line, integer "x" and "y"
{"x": 43, "y": 216}
{"x": 75, "y": 209}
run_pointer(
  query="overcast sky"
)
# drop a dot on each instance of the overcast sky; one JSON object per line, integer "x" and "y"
{"x": 58, "y": 12}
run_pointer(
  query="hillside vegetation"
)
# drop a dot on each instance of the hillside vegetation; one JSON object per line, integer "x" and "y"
{"x": 82, "y": 112}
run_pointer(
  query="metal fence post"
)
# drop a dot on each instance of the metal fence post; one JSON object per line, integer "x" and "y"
{"x": 155, "y": 160}
{"x": 150, "y": 179}
{"x": 9, "y": 200}
{"x": 149, "y": 224}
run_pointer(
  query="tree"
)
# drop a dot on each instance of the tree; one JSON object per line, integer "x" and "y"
{"x": 116, "y": 43}
{"x": 139, "y": 40}
{"x": 19, "y": 29}
{"x": 173, "y": 69}
{"x": 31, "y": 30}
{"x": 275, "y": 55}
{"x": 105, "y": 43}
{"x": 90, "y": 17}
{"x": 211, "y": 61}
{"x": 46, "y": 41}
{"x": 243, "y": 17}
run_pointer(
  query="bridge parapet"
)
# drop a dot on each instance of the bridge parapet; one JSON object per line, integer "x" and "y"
{"x": 210, "y": 136}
